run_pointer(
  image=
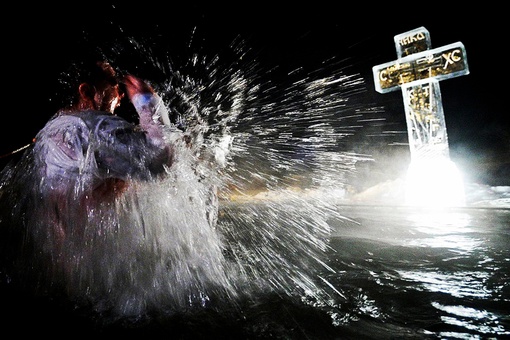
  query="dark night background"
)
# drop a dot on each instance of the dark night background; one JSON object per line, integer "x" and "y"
{"x": 40, "y": 41}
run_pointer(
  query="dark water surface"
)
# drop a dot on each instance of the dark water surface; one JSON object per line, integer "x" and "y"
{"x": 390, "y": 272}
{"x": 425, "y": 273}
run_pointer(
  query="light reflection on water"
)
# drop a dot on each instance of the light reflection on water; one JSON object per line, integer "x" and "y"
{"x": 473, "y": 319}
{"x": 453, "y": 262}
{"x": 444, "y": 229}
{"x": 458, "y": 284}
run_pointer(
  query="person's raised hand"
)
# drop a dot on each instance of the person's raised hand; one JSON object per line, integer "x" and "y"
{"x": 147, "y": 102}
{"x": 135, "y": 86}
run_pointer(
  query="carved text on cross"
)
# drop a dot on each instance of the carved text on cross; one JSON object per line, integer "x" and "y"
{"x": 417, "y": 72}
{"x": 441, "y": 63}
{"x": 444, "y": 62}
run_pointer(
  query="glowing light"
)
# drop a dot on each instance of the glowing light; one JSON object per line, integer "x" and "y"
{"x": 435, "y": 182}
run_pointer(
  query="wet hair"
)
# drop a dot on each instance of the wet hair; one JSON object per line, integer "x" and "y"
{"x": 101, "y": 72}
{"x": 95, "y": 73}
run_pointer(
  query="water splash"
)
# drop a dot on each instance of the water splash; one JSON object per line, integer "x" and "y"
{"x": 190, "y": 239}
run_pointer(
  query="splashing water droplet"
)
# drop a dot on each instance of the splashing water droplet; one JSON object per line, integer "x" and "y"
{"x": 245, "y": 208}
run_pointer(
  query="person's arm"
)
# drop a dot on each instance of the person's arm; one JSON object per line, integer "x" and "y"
{"x": 124, "y": 150}
{"x": 150, "y": 108}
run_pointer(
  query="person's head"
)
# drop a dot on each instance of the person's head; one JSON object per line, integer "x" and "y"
{"x": 98, "y": 89}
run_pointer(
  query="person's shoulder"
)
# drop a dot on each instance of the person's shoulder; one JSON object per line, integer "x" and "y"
{"x": 62, "y": 119}
{"x": 92, "y": 117}
{"x": 87, "y": 120}
{"x": 69, "y": 120}
{"x": 104, "y": 122}
{"x": 62, "y": 126}
{"x": 89, "y": 114}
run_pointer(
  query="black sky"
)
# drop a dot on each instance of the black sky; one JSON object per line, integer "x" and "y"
{"x": 40, "y": 40}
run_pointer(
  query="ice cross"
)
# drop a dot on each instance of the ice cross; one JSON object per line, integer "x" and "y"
{"x": 417, "y": 71}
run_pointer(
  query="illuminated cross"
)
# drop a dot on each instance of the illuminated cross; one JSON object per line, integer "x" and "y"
{"x": 432, "y": 178}
{"x": 417, "y": 71}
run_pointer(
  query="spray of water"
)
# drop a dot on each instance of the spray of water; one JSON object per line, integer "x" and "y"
{"x": 245, "y": 209}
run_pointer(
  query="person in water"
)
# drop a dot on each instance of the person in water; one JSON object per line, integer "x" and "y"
{"x": 88, "y": 149}
{"x": 85, "y": 157}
